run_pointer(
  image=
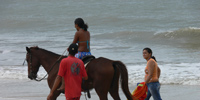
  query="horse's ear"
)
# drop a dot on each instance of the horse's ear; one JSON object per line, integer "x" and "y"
{"x": 28, "y": 50}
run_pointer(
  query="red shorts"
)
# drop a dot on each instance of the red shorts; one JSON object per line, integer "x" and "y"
{"x": 76, "y": 98}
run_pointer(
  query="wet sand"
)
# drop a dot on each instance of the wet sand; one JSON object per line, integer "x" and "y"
{"x": 14, "y": 89}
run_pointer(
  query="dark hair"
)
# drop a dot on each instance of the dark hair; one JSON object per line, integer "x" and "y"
{"x": 73, "y": 49}
{"x": 81, "y": 23}
{"x": 150, "y": 51}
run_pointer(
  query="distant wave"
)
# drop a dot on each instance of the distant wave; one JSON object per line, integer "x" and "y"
{"x": 124, "y": 35}
{"x": 5, "y": 51}
{"x": 184, "y": 35}
{"x": 190, "y": 35}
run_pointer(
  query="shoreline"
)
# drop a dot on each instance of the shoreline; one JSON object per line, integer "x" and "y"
{"x": 16, "y": 89}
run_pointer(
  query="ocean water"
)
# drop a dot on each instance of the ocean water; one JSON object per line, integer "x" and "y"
{"x": 119, "y": 29}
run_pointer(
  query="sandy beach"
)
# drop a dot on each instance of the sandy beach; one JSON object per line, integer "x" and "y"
{"x": 15, "y": 89}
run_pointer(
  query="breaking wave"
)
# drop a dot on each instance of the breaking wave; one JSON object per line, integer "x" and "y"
{"x": 185, "y": 35}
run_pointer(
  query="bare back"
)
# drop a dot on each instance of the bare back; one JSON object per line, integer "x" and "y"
{"x": 82, "y": 37}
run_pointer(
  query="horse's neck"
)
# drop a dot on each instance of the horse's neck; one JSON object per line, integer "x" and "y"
{"x": 48, "y": 64}
{"x": 48, "y": 61}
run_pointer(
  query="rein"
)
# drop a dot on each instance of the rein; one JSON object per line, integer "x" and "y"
{"x": 48, "y": 71}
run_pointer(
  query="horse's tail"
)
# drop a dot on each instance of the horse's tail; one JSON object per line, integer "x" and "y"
{"x": 124, "y": 78}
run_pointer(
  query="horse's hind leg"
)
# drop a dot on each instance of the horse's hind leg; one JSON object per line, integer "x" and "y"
{"x": 114, "y": 89}
{"x": 102, "y": 93}
{"x": 114, "y": 92}
{"x": 102, "y": 87}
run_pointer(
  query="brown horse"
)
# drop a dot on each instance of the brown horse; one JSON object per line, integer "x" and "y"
{"x": 103, "y": 74}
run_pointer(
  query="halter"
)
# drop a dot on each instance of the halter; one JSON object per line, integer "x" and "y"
{"x": 48, "y": 71}
{"x": 31, "y": 71}
{"x": 30, "y": 62}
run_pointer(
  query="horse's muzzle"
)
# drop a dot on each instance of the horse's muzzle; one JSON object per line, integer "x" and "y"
{"x": 32, "y": 76}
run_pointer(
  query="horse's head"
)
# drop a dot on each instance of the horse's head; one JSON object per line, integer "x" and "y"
{"x": 33, "y": 62}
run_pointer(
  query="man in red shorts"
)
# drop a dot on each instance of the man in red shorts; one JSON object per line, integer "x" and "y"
{"x": 73, "y": 71}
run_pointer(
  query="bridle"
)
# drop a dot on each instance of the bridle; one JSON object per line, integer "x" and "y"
{"x": 30, "y": 60}
{"x": 31, "y": 71}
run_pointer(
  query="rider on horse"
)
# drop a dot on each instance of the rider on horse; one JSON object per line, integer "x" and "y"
{"x": 82, "y": 37}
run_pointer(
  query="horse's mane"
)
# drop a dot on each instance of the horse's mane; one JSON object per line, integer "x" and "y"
{"x": 49, "y": 52}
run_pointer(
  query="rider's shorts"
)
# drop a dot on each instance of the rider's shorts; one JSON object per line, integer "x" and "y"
{"x": 80, "y": 55}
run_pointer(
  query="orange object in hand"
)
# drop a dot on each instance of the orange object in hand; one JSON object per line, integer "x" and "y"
{"x": 140, "y": 93}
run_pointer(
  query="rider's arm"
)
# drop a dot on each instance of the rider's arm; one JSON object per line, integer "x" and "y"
{"x": 75, "y": 38}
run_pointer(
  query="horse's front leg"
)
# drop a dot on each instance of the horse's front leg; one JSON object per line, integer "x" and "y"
{"x": 51, "y": 83}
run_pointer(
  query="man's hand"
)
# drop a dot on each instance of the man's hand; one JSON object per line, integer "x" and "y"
{"x": 85, "y": 78}
{"x": 49, "y": 96}
{"x": 55, "y": 86}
